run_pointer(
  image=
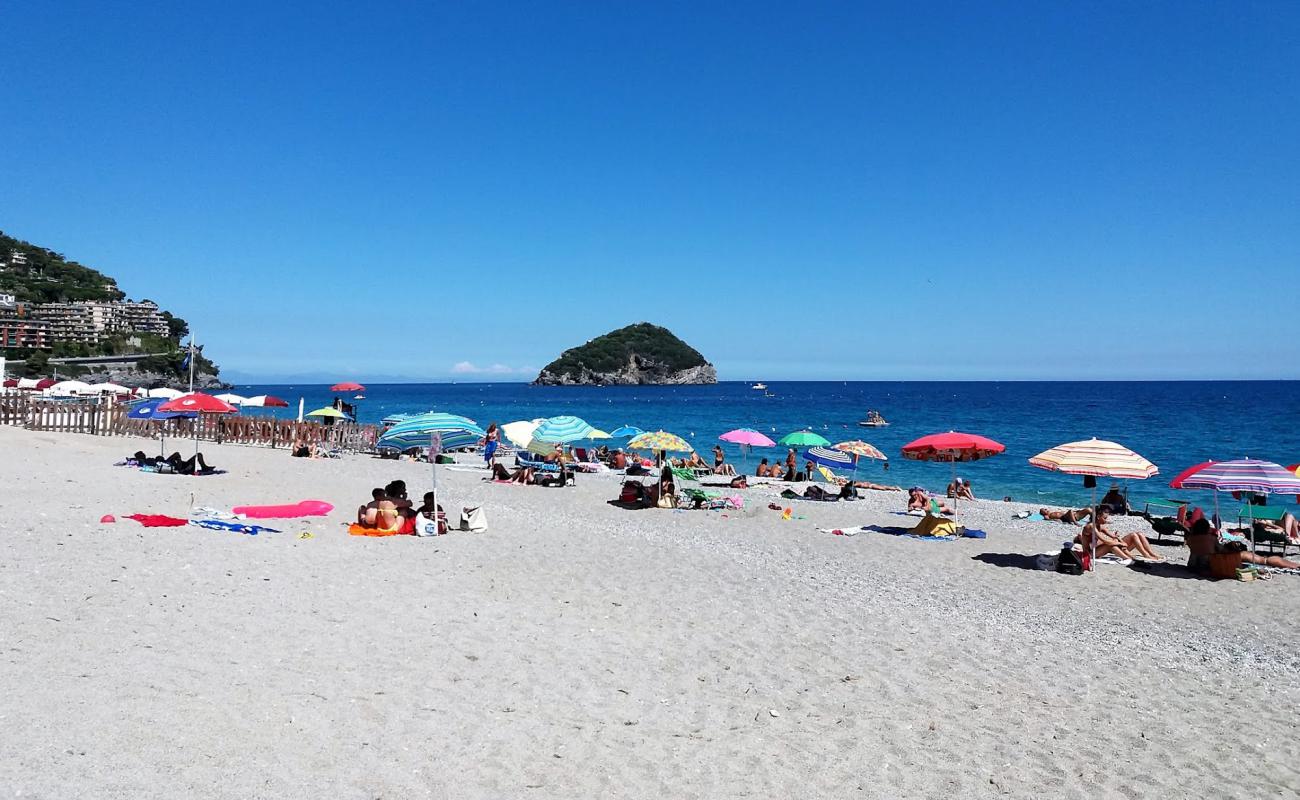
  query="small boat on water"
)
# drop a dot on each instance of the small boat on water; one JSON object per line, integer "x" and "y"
{"x": 759, "y": 387}
{"x": 874, "y": 420}
{"x": 358, "y": 397}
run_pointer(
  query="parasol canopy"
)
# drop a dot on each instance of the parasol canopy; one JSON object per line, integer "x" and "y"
{"x": 266, "y": 401}
{"x": 804, "y": 438}
{"x": 625, "y": 432}
{"x": 347, "y": 386}
{"x": 200, "y": 402}
{"x": 562, "y": 429}
{"x": 109, "y": 388}
{"x": 660, "y": 441}
{"x": 456, "y": 432}
{"x": 952, "y": 446}
{"x": 748, "y": 437}
{"x": 1096, "y": 457}
{"x": 327, "y": 411}
{"x": 163, "y": 391}
{"x": 148, "y": 409}
{"x": 862, "y": 449}
{"x": 829, "y": 457}
{"x": 1242, "y": 475}
{"x": 520, "y": 432}
{"x": 233, "y": 399}
{"x": 69, "y": 389}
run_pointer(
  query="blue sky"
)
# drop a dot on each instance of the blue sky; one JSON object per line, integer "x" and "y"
{"x": 839, "y": 191}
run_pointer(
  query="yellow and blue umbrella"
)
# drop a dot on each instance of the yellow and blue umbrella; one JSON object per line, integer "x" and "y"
{"x": 660, "y": 441}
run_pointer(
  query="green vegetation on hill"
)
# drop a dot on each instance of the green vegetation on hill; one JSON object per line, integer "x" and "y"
{"x": 611, "y": 352}
{"x": 50, "y": 278}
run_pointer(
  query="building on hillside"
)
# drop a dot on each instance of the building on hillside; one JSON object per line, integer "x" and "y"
{"x": 8, "y": 302}
{"x": 91, "y": 322}
{"x": 26, "y": 333}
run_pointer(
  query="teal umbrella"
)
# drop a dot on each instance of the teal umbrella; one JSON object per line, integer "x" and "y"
{"x": 804, "y": 439}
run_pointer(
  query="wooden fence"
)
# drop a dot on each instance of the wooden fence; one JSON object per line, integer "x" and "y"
{"x": 105, "y": 417}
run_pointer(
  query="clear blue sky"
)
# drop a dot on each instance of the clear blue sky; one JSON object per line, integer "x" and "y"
{"x": 840, "y": 191}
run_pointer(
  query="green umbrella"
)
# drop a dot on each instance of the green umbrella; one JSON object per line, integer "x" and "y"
{"x": 804, "y": 439}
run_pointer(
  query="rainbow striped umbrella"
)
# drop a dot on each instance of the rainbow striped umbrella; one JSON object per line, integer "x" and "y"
{"x": 862, "y": 449}
{"x": 1096, "y": 457}
{"x": 1244, "y": 475}
{"x": 660, "y": 441}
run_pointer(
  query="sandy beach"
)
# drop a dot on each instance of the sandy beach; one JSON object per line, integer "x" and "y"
{"x": 577, "y": 649}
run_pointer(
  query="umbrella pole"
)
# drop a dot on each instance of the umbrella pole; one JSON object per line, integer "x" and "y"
{"x": 1092, "y": 540}
{"x": 955, "y": 498}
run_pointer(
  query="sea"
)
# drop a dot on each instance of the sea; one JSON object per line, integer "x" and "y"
{"x": 1173, "y": 424}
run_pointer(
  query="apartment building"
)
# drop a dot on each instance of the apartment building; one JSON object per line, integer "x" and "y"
{"x": 90, "y": 322}
{"x": 20, "y": 332}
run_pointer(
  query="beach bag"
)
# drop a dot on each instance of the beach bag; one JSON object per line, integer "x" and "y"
{"x": 667, "y": 501}
{"x": 632, "y": 492}
{"x": 428, "y": 527}
{"x": 1069, "y": 562}
{"x": 473, "y": 520}
{"x": 442, "y": 459}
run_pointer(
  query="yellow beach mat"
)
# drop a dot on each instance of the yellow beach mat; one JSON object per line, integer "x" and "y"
{"x": 934, "y": 526}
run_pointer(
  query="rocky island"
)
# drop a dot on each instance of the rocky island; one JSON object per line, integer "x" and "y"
{"x": 635, "y": 355}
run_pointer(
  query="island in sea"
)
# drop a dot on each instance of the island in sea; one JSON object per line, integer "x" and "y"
{"x": 636, "y": 355}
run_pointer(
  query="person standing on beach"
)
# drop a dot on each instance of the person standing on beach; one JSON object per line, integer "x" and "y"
{"x": 490, "y": 446}
{"x": 790, "y": 461}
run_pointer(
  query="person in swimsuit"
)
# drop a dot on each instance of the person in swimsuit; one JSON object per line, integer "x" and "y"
{"x": 1109, "y": 543}
{"x": 1071, "y": 515}
{"x": 1203, "y": 541}
{"x": 369, "y": 513}
{"x": 763, "y": 470}
{"x": 1287, "y": 526}
{"x": 918, "y": 500}
{"x": 300, "y": 449}
{"x": 790, "y": 461}
{"x": 490, "y": 442}
{"x": 720, "y": 465}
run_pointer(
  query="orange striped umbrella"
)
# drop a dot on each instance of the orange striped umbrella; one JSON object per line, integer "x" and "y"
{"x": 1096, "y": 457}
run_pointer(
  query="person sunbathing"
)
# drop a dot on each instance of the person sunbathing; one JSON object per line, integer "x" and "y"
{"x": 918, "y": 500}
{"x": 524, "y": 475}
{"x": 1110, "y": 543}
{"x": 1072, "y": 516}
{"x": 368, "y": 514}
{"x": 878, "y": 487}
{"x": 1203, "y": 541}
{"x": 763, "y": 470}
{"x": 720, "y": 465}
{"x": 300, "y": 449}
{"x": 1287, "y": 526}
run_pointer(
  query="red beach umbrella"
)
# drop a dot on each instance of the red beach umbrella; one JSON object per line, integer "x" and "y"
{"x": 347, "y": 386}
{"x": 198, "y": 401}
{"x": 45, "y": 383}
{"x": 1177, "y": 482}
{"x": 952, "y": 447}
{"x": 10, "y": 383}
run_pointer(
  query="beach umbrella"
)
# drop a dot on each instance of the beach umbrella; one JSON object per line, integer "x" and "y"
{"x": 347, "y": 386}
{"x": 559, "y": 430}
{"x": 862, "y": 449}
{"x": 415, "y": 431}
{"x": 43, "y": 384}
{"x": 200, "y": 403}
{"x": 327, "y": 411}
{"x": 265, "y": 401}
{"x": 520, "y": 432}
{"x": 1244, "y": 475}
{"x": 1099, "y": 459}
{"x": 10, "y": 383}
{"x": 804, "y": 438}
{"x": 829, "y": 457}
{"x": 109, "y": 388}
{"x": 233, "y": 399}
{"x": 952, "y": 447}
{"x": 393, "y": 419}
{"x": 162, "y": 391}
{"x": 597, "y": 433}
{"x": 69, "y": 389}
{"x": 660, "y": 441}
{"x": 747, "y": 439}
{"x": 148, "y": 409}
{"x": 625, "y": 432}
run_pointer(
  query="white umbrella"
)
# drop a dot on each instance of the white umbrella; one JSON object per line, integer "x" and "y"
{"x": 110, "y": 388}
{"x": 233, "y": 399}
{"x": 69, "y": 389}
{"x": 162, "y": 391}
{"x": 520, "y": 433}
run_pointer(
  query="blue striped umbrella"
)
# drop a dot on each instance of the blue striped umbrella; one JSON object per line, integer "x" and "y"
{"x": 626, "y": 432}
{"x": 414, "y": 432}
{"x": 829, "y": 458}
{"x": 559, "y": 430}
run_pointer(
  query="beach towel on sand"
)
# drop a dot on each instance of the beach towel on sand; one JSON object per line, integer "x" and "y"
{"x": 407, "y": 528}
{"x": 969, "y": 533}
{"x": 158, "y": 520}
{"x": 234, "y": 527}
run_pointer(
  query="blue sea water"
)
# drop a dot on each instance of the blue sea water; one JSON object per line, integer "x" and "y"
{"x": 1174, "y": 424}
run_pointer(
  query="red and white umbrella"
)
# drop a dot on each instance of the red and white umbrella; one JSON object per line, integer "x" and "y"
{"x": 201, "y": 403}
{"x": 265, "y": 401}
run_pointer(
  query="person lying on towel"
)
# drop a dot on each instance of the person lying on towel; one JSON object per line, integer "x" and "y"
{"x": 1072, "y": 516}
{"x": 918, "y": 500}
{"x": 182, "y": 466}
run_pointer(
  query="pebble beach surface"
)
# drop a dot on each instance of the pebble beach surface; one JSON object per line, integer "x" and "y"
{"x": 578, "y": 649}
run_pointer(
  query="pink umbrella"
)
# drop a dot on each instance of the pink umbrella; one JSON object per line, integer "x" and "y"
{"x": 746, "y": 438}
